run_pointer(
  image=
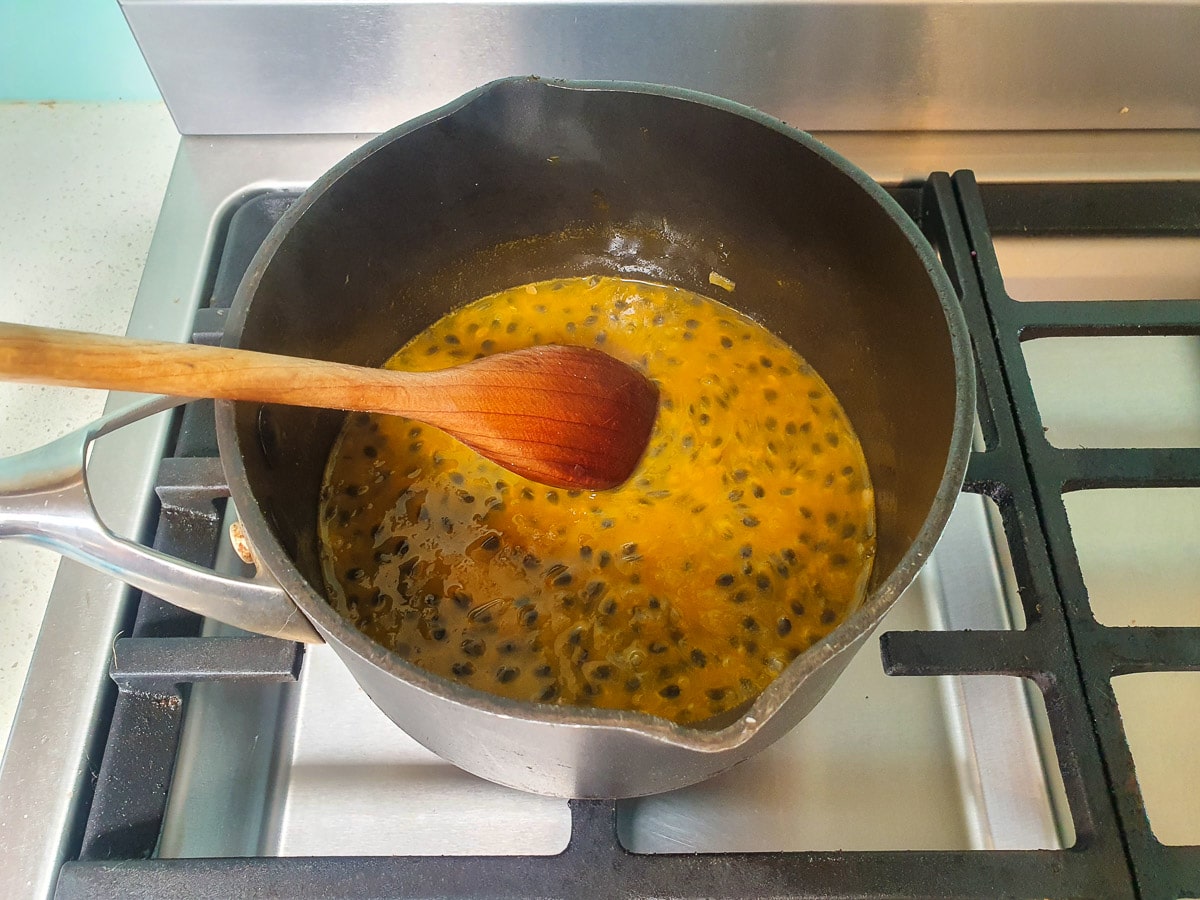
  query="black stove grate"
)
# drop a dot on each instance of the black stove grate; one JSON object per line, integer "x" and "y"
{"x": 1062, "y": 649}
{"x": 1102, "y": 652}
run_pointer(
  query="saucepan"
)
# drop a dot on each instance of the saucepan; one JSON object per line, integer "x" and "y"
{"x": 522, "y": 180}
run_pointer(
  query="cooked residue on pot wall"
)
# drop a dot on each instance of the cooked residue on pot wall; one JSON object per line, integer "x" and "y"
{"x": 745, "y": 534}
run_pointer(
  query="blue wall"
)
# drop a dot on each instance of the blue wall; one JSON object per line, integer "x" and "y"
{"x": 70, "y": 50}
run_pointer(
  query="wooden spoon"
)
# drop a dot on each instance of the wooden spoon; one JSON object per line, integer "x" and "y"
{"x": 565, "y": 416}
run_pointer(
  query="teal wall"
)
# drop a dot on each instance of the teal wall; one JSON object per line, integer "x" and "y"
{"x": 70, "y": 50}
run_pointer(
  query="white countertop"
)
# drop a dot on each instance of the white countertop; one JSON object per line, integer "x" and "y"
{"x": 80, "y": 187}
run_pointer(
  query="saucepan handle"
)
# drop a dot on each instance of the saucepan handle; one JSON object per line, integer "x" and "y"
{"x": 45, "y": 500}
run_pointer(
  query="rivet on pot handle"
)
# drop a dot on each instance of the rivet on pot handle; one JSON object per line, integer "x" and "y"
{"x": 44, "y": 499}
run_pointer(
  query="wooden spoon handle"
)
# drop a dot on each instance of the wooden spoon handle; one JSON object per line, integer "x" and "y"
{"x": 53, "y": 356}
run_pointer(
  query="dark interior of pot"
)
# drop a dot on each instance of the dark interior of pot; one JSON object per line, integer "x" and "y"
{"x": 532, "y": 181}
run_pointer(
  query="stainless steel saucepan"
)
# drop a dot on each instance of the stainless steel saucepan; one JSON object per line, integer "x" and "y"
{"x": 523, "y": 180}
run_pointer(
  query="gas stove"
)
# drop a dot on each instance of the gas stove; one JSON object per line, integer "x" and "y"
{"x": 192, "y": 760}
{"x": 1049, "y": 647}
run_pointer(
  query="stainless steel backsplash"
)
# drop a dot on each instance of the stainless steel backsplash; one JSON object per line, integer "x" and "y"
{"x": 292, "y": 66}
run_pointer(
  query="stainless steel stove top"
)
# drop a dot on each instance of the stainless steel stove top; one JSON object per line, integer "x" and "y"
{"x": 313, "y": 768}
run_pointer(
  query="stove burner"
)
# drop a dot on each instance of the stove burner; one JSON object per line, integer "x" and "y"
{"x": 1070, "y": 657}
